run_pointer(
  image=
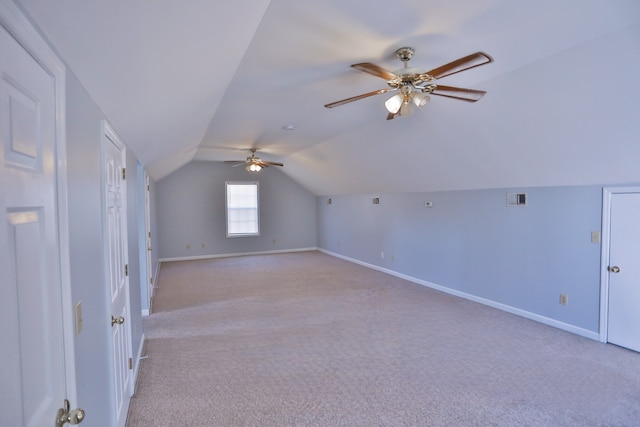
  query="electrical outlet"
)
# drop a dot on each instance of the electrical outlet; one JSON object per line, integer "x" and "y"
{"x": 564, "y": 299}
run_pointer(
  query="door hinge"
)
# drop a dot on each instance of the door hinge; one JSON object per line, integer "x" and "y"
{"x": 126, "y": 269}
{"x": 124, "y": 173}
{"x": 131, "y": 363}
{"x": 148, "y": 187}
{"x": 151, "y": 280}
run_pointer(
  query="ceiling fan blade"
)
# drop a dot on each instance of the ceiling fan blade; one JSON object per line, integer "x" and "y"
{"x": 356, "y": 98}
{"x": 469, "y": 95}
{"x": 237, "y": 162}
{"x": 465, "y": 63}
{"x": 273, "y": 164}
{"x": 390, "y": 116}
{"x": 375, "y": 70}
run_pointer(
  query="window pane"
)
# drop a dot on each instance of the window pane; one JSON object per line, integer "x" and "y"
{"x": 242, "y": 209}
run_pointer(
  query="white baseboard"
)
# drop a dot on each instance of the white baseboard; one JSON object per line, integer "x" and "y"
{"x": 198, "y": 257}
{"x": 155, "y": 279}
{"x": 136, "y": 367}
{"x": 509, "y": 309}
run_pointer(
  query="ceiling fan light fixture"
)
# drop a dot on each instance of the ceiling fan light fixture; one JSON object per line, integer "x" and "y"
{"x": 420, "y": 100}
{"x": 406, "y": 109}
{"x": 394, "y": 103}
{"x": 253, "y": 167}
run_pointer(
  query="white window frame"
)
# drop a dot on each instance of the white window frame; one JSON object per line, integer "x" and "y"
{"x": 257, "y": 209}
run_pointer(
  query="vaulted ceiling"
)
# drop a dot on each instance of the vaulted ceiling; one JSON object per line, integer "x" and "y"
{"x": 207, "y": 80}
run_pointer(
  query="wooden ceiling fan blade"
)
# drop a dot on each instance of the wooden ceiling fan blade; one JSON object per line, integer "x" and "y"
{"x": 470, "y": 61}
{"x": 390, "y": 116}
{"x": 235, "y": 162}
{"x": 356, "y": 98}
{"x": 469, "y": 95}
{"x": 273, "y": 164}
{"x": 374, "y": 70}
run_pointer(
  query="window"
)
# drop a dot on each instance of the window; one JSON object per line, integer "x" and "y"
{"x": 242, "y": 209}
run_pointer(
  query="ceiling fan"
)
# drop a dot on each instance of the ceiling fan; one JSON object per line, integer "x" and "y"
{"x": 253, "y": 163}
{"x": 414, "y": 85}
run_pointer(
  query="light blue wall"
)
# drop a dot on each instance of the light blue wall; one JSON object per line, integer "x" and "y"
{"x": 84, "y": 171}
{"x": 471, "y": 242}
{"x": 87, "y": 254}
{"x": 136, "y": 265}
{"x": 142, "y": 248}
{"x": 191, "y": 212}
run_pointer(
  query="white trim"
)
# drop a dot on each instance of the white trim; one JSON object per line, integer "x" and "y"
{"x": 153, "y": 289}
{"x": 193, "y": 258}
{"x": 228, "y": 184}
{"x": 509, "y": 309}
{"x": 155, "y": 279}
{"x": 148, "y": 239}
{"x": 136, "y": 368}
{"x": 604, "y": 254}
{"x": 14, "y": 21}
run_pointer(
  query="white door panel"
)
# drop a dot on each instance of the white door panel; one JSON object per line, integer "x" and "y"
{"x": 116, "y": 225}
{"x": 32, "y": 354}
{"x": 624, "y": 285}
{"x": 148, "y": 241}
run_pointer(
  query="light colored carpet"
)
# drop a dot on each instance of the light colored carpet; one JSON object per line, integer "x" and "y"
{"x": 305, "y": 339}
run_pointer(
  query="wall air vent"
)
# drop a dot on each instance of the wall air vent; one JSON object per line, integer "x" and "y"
{"x": 516, "y": 199}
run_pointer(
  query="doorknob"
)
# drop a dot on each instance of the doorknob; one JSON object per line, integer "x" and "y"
{"x": 66, "y": 415}
{"x": 118, "y": 320}
{"x": 614, "y": 269}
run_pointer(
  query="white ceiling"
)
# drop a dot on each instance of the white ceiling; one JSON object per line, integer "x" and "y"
{"x": 207, "y": 80}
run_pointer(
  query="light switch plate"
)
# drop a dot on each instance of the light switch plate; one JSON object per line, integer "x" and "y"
{"x": 78, "y": 313}
{"x": 595, "y": 237}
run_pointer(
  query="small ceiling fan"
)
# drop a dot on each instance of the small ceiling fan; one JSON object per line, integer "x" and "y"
{"x": 253, "y": 163}
{"x": 414, "y": 85}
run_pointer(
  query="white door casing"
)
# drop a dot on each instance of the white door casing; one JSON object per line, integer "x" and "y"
{"x": 36, "y": 359}
{"x": 620, "y": 298}
{"x": 148, "y": 241}
{"x": 117, "y": 268}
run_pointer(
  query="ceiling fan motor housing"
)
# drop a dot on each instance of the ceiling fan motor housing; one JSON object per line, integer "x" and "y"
{"x": 405, "y": 53}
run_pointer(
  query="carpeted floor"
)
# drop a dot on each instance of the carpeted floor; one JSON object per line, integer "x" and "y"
{"x": 305, "y": 339}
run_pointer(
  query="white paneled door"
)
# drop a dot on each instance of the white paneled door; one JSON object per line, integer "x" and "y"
{"x": 149, "y": 243}
{"x": 34, "y": 362}
{"x": 117, "y": 266}
{"x": 624, "y": 271}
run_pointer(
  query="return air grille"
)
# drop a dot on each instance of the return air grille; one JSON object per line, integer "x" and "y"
{"x": 516, "y": 199}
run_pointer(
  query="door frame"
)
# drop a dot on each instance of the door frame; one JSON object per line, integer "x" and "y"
{"x": 607, "y": 192}
{"x": 147, "y": 240}
{"x": 16, "y": 23}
